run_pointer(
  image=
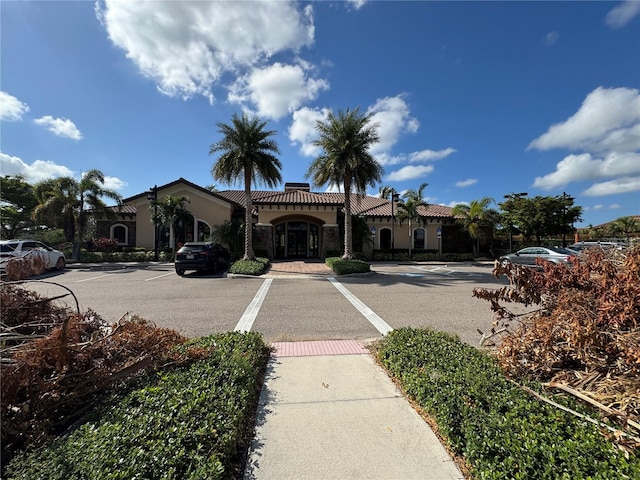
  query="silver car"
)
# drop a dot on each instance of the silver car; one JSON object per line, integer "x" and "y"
{"x": 53, "y": 259}
{"x": 529, "y": 255}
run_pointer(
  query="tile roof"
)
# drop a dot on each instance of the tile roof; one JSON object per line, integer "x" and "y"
{"x": 360, "y": 205}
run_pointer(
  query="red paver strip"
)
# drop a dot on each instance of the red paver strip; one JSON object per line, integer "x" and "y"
{"x": 316, "y": 348}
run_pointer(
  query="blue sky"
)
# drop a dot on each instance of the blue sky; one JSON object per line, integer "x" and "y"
{"x": 474, "y": 98}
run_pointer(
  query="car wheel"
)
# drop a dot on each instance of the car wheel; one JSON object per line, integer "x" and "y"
{"x": 60, "y": 264}
{"x": 180, "y": 271}
{"x": 505, "y": 262}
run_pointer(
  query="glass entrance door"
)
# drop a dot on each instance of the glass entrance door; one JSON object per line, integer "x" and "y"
{"x": 297, "y": 239}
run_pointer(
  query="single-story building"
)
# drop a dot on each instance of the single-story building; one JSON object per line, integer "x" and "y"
{"x": 292, "y": 223}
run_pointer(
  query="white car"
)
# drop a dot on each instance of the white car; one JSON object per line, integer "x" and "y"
{"x": 54, "y": 259}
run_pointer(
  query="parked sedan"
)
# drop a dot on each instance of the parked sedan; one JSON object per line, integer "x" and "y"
{"x": 529, "y": 255}
{"x": 53, "y": 259}
{"x": 201, "y": 256}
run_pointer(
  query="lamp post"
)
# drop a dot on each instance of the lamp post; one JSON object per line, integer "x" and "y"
{"x": 565, "y": 198}
{"x": 152, "y": 195}
{"x": 394, "y": 198}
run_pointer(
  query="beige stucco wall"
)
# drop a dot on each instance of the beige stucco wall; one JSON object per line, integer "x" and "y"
{"x": 402, "y": 237}
{"x": 274, "y": 214}
{"x": 206, "y": 208}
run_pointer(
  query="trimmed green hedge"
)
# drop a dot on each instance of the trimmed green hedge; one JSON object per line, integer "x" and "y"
{"x": 344, "y": 267}
{"x": 500, "y": 430}
{"x": 193, "y": 422}
{"x": 250, "y": 267}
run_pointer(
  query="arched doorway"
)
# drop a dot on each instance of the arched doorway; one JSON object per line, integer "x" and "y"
{"x": 297, "y": 239}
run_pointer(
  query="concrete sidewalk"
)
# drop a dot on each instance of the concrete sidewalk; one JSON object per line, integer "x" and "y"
{"x": 328, "y": 411}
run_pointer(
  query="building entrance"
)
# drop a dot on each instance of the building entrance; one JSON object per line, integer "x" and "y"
{"x": 297, "y": 239}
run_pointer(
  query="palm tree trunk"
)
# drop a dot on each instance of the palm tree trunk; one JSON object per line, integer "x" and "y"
{"x": 410, "y": 239}
{"x": 248, "y": 225}
{"x": 348, "y": 254}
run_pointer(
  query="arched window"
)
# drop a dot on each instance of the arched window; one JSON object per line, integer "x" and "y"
{"x": 418, "y": 239}
{"x": 385, "y": 239}
{"x": 204, "y": 231}
{"x": 120, "y": 233}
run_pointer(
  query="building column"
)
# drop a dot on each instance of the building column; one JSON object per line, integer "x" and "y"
{"x": 264, "y": 232}
{"x": 330, "y": 239}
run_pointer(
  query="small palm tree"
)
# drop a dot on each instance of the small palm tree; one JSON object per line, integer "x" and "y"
{"x": 173, "y": 212}
{"x": 409, "y": 210}
{"x": 247, "y": 153}
{"x": 66, "y": 202}
{"x": 474, "y": 217}
{"x": 345, "y": 140}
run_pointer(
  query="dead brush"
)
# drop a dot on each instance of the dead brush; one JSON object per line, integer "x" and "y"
{"x": 584, "y": 338}
{"x": 53, "y": 377}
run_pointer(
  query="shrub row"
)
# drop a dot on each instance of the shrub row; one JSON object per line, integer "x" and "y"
{"x": 250, "y": 267}
{"x": 501, "y": 431}
{"x": 135, "y": 256}
{"x": 342, "y": 267}
{"x": 193, "y": 422}
{"x": 420, "y": 256}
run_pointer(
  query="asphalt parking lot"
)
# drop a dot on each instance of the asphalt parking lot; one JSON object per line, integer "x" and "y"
{"x": 297, "y": 308}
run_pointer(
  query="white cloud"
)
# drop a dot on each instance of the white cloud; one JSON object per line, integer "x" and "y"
{"x": 622, "y": 14}
{"x": 597, "y": 207}
{"x": 38, "y": 170}
{"x": 607, "y": 119}
{"x": 303, "y": 129}
{"x": 11, "y": 109}
{"x": 357, "y": 4}
{"x": 467, "y": 183}
{"x": 61, "y": 127}
{"x": 392, "y": 115}
{"x": 614, "y": 206}
{"x": 454, "y": 203}
{"x": 114, "y": 183}
{"x": 430, "y": 155}
{"x": 551, "y": 38}
{"x": 575, "y": 168}
{"x": 613, "y": 187}
{"x": 409, "y": 172}
{"x": 277, "y": 90}
{"x": 187, "y": 47}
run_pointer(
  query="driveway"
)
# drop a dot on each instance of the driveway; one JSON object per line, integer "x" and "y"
{"x": 295, "y": 301}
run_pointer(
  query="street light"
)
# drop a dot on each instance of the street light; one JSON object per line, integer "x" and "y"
{"x": 565, "y": 198}
{"x": 513, "y": 196}
{"x": 152, "y": 195}
{"x": 394, "y": 198}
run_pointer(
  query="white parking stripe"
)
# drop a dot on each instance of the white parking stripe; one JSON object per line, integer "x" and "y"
{"x": 380, "y": 325}
{"x": 159, "y": 276}
{"x": 249, "y": 315}
{"x": 92, "y": 278}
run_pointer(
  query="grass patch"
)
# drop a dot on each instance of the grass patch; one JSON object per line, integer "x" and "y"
{"x": 499, "y": 429}
{"x": 192, "y": 422}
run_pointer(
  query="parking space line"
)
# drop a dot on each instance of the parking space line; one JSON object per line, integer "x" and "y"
{"x": 92, "y": 278}
{"x": 249, "y": 315}
{"x": 159, "y": 276}
{"x": 379, "y": 324}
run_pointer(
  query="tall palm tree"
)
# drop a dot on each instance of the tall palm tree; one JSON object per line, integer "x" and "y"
{"x": 173, "y": 212}
{"x": 65, "y": 203}
{"x": 345, "y": 140}
{"x": 474, "y": 217}
{"x": 409, "y": 210}
{"x": 247, "y": 153}
{"x": 624, "y": 226}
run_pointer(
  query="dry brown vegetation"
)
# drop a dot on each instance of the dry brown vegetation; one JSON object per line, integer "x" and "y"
{"x": 583, "y": 337}
{"x": 55, "y": 361}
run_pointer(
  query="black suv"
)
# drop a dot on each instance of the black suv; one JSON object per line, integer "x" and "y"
{"x": 201, "y": 256}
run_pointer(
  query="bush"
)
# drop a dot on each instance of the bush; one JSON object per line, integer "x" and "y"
{"x": 193, "y": 422}
{"x": 250, "y": 267}
{"x": 343, "y": 267}
{"x": 104, "y": 244}
{"x": 499, "y": 429}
